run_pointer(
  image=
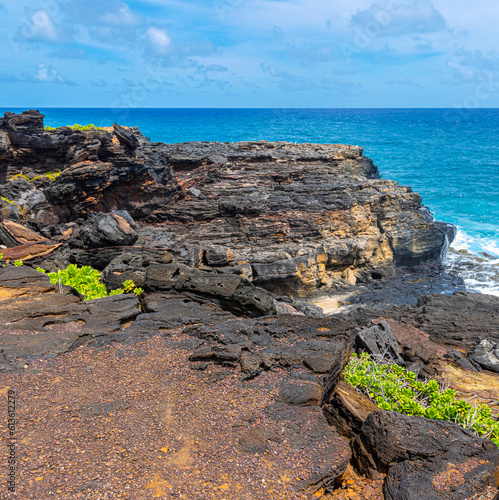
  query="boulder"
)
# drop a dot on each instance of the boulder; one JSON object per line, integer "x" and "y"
{"x": 13, "y": 234}
{"x": 101, "y": 230}
{"x": 425, "y": 458}
{"x": 416, "y": 343}
{"x": 233, "y": 293}
{"x": 125, "y": 136}
{"x": 380, "y": 342}
{"x": 486, "y": 354}
{"x": 347, "y": 409}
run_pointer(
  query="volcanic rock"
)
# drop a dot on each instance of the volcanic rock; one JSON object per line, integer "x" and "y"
{"x": 291, "y": 218}
{"x": 425, "y": 458}
{"x": 102, "y": 230}
{"x": 231, "y": 292}
{"x": 380, "y": 342}
{"x": 486, "y": 354}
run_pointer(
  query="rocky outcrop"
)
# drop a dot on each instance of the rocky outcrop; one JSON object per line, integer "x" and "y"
{"x": 425, "y": 458}
{"x": 292, "y": 218}
{"x": 39, "y": 319}
{"x": 101, "y": 230}
{"x": 231, "y": 292}
{"x": 223, "y": 238}
{"x": 459, "y": 320}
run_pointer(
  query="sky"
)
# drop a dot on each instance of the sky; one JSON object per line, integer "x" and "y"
{"x": 249, "y": 53}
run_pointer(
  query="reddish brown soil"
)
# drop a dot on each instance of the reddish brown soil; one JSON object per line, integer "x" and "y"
{"x": 136, "y": 422}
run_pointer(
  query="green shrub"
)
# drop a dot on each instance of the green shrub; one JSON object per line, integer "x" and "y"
{"x": 392, "y": 387}
{"x": 87, "y": 281}
{"x": 76, "y": 126}
{"x": 49, "y": 175}
{"x": 6, "y": 201}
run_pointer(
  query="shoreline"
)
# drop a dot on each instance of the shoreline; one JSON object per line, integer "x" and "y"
{"x": 217, "y": 353}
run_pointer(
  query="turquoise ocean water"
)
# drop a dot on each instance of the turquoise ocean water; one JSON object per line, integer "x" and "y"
{"x": 450, "y": 157}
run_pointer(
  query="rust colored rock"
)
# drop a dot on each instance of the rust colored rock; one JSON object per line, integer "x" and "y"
{"x": 27, "y": 252}
{"x": 415, "y": 339}
{"x": 348, "y": 409}
{"x": 417, "y": 455}
{"x": 13, "y": 234}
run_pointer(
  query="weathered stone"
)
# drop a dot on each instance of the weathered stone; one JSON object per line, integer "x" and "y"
{"x": 461, "y": 319}
{"x": 231, "y": 292}
{"x": 380, "y": 342}
{"x": 415, "y": 340}
{"x": 102, "y": 230}
{"x": 305, "y": 394}
{"x": 218, "y": 255}
{"x": 486, "y": 354}
{"x": 13, "y": 234}
{"x": 125, "y": 136}
{"x": 348, "y": 409}
{"x": 36, "y": 319}
{"x": 28, "y": 252}
{"x": 415, "y": 452}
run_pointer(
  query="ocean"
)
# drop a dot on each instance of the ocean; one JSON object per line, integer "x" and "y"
{"x": 449, "y": 156}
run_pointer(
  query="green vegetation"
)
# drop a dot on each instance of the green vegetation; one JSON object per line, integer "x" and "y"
{"x": 76, "y": 126}
{"x": 87, "y": 281}
{"x": 18, "y": 263}
{"x": 49, "y": 175}
{"x": 6, "y": 201}
{"x": 392, "y": 387}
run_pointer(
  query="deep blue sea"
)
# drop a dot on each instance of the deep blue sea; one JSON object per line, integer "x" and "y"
{"x": 449, "y": 156}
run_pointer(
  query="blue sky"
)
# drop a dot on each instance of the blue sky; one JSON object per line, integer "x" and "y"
{"x": 249, "y": 53}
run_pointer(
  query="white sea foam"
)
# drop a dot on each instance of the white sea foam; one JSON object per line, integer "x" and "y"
{"x": 476, "y": 260}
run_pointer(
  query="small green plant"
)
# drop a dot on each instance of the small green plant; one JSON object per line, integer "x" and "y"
{"x": 76, "y": 126}
{"x": 18, "y": 263}
{"x": 394, "y": 388}
{"x": 6, "y": 201}
{"x": 49, "y": 175}
{"x": 87, "y": 281}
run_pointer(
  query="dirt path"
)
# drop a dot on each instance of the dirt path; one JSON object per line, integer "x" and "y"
{"x": 136, "y": 422}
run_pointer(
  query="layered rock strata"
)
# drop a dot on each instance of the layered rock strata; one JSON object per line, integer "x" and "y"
{"x": 293, "y": 218}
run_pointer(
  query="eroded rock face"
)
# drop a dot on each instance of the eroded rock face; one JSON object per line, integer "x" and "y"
{"x": 460, "y": 320}
{"x": 299, "y": 216}
{"x": 40, "y": 319}
{"x": 425, "y": 458}
{"x": 292, "y": 218}
{"x": 101, "y": 230}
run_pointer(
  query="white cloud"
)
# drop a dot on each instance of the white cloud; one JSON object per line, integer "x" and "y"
{"x": 41, "y": 28}
{"x": 473, "y": 66}
{"x": 47, "y": 74}
{"x": 159, "y": 39}
{"x": 397, "y": 19}
{"x": 122, "y": 16}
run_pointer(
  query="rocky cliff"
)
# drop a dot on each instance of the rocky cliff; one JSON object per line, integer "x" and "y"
{"x": 209, "y": 383}
{"x": 292, "y": 218}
